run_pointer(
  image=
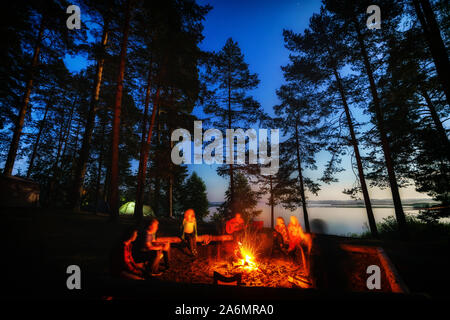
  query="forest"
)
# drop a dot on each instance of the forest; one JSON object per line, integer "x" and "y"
{"x": 96, "y": 139}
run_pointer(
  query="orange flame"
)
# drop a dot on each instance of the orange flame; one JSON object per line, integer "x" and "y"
{"x": 247, "y": 262}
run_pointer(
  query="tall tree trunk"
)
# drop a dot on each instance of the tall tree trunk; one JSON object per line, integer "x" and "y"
{"x": 64, "y": 135}
{"x": 67, "y": 130}
{"x": 138, "y": 213}
{"x": 58, "y": 152}
{"x": 107, "y": 184}
{"x": 12, "y": 153}
{"x": 437, "y": 47}
{"x": 436, "y": 120}
{"x": 53, "y": 179}
{"x": 399, "y": 214}
{"x": 114, "y": 192}
{"x": 140, "y": 178}
{"x": 362, "y": 180}
{"x": 171, "y": 194}
{"x": 38, "y": 139}
{"x": 271, "y": 203}
{"x": 300, "y": 180}
{"x": 90, "y": 122}
{"x": 99, "y": 168}
{"x": 171, "y": 181}
{"x": 171, "y": 174}
{"x": 98, "y": 182}
{"x": 75, "y": 148}
{"x": 231, "y": 152}
{"x": 157, "y": 193}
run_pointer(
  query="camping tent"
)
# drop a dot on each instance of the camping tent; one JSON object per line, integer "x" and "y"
{"x": 128, "y": 208}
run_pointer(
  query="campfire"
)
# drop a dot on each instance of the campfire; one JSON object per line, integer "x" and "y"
{"x": 248, "y": 262}
{"x": 264, "y": 271}
{"x": 246, "y": 257}
{"x": 250, "y": 257}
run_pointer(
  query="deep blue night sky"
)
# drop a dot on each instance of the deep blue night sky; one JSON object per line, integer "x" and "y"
{"x": 257, "y": 27}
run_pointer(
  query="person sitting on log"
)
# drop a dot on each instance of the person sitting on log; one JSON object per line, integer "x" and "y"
{"x": 281, "y": 236}
{"x": 236, "y": 227}
{"x": 149, "y": 250}
{"x": 297, "y": 239}
{"x": 189, "y": 231}
{"x": 122, "y": 263}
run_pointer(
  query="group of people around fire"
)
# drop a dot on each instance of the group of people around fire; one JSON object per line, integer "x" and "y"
{"x": 286, "y": 239}
{"x": 139, "y": 254}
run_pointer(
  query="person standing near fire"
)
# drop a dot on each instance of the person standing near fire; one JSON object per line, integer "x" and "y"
{"x": 189, "y": 231}
{"x": 236, "y": 226}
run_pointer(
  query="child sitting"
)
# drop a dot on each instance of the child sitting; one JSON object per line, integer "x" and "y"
{"x": 122, "y": 262}
{"x": 280, "y": 236}
{"x": 298, "y": 240}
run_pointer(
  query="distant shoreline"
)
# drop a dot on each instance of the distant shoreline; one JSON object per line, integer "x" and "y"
{"x": 376, "y": 203}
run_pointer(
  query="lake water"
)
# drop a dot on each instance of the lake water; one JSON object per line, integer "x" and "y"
{"x": 330, "y": 220}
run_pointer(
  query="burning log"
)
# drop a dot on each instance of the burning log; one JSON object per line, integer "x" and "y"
{"x": 246, "y": 258}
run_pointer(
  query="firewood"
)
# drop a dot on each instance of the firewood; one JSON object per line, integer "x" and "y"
{"x": 303, "y": 279}
{"x": 298, "y": 283}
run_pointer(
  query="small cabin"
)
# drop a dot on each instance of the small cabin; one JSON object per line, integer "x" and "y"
{"x": 18, "y": 192}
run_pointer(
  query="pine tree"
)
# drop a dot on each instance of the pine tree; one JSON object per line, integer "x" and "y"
{"x": 277, "y": 186}
{"x": 353, "y": 18}
{"x": 298, "y": 119}
{"x": 229, "y": 79}
{"x": 172, "y": 40}
{"x": 114, "y": 191}
{"x": 414, "y": 108}
{"x": 433, "y": 37}
{"x": 321, "y": 65}
{"x": 52, "y": 40}
{"x": 195, "y": 196}
{"x": 102, "y": 12}
{"x": 245, "y": 200}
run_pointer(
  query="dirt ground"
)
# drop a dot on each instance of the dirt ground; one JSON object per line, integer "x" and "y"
{"x": 270, "y": 272}
{"x": 41, "y": 244}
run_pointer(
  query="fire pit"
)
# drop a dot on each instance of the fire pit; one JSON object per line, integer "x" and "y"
{"x": 248, "y": 258}
{"x": 280, "y": 273}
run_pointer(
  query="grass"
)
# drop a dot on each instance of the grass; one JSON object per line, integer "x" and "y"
{"x": 418, "y": 230}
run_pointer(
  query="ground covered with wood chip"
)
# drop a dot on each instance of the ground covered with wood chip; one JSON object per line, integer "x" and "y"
{"x": 355, "y": 265}
{"x": 270, "y": 272}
